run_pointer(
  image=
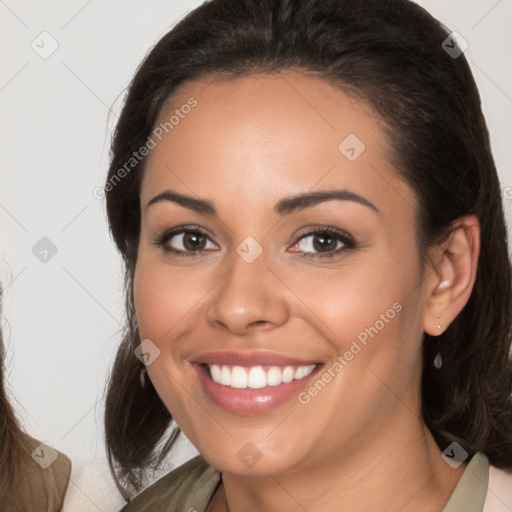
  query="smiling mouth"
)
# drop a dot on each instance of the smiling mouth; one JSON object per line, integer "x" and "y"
{"x": 255, "y": 377}
{"x": 252, "y": 382}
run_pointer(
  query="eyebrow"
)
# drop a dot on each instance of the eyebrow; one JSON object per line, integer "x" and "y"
{"x": 201, "y": 206}
{"x": 283, "y": 207}
{"x": 310, "y": 199}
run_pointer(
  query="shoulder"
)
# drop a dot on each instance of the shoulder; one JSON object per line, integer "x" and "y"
{"x": 499, "y": 494}
{"x": 189, "y": 487}
{"x": 46, "y": 474}
{"x": 49, "y": 477}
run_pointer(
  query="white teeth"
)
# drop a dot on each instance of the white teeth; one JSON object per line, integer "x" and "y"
{"x": 216, "y": 372}
{"x": 308, "y": 370}
{"x": 299, "y": 373}
{"x": 255, "y": 377}
{"x": 238, "y": 378}
{"x": 288, "y": 374}
{"x": 274, "y": 376}
{"x": 225, "y": 377}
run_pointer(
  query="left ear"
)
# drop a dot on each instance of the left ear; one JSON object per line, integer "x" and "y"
{"x": 450, "y": 280}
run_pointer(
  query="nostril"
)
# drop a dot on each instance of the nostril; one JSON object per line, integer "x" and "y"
{"x": 257, "y": 323}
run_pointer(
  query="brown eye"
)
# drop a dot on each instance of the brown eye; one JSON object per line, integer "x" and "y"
{"x": 319, "y": 242}
{"x": 324, "y": 242}
{"x": 186, "y": 242}
{"x": 194, "y": 241}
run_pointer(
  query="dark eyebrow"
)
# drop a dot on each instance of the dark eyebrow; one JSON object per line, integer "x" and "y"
{"x": 310, "y": 199}
{"x": 197, "y": 205}
{"x": 283, "y": 207}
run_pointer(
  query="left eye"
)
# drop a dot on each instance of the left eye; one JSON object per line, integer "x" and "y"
{"x": 323, "y": 243}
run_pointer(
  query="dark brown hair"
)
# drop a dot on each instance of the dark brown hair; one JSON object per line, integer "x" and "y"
{"x": 12, "y": 440}
{"x": 22, "y": 481}
{"x": 389, "y": 53}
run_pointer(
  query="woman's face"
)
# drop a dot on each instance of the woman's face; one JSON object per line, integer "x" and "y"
{"x": 278, "y": 277}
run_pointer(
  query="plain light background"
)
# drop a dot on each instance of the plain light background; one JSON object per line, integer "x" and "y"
{"x": 63, "y": 316}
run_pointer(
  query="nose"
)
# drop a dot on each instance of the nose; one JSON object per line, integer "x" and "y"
{"x": 248, "y": 298}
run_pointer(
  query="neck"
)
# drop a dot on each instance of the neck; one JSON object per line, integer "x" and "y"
{"x": 406, "y": 472}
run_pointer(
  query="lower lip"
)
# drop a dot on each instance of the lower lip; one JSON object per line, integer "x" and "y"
{"x": 251, "y": 401}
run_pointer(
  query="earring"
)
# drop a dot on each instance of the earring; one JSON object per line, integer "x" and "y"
{"x": 438, "y": 360}
{"x": 443, "y": 285}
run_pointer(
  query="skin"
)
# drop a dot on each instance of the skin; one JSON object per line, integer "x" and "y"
{"x": 360, "y": 443}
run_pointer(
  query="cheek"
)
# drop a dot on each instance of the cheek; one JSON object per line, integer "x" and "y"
{"x": 354, "y": 297}
{"x": 370, "y": 311}
{"x": 163, "y": 297}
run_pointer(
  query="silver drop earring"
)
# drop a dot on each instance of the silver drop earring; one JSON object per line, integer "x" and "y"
{"x": 438, "y": 360}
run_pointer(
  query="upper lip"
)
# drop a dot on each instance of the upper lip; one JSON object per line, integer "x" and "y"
{"x": 249, "y": 358}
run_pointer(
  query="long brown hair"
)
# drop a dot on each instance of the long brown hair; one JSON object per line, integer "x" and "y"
{"x": 18, "y": 471}
{"x": 12, "y": 440}
{"x": 389, "y": 53}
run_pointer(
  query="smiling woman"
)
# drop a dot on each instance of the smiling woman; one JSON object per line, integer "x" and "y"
{"x": 318, "y": 283}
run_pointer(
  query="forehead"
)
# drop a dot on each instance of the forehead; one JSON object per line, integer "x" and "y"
{"x": 284, "y": 133}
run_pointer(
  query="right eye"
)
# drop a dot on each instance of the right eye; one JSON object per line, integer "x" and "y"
{"x": 185, "y": 242}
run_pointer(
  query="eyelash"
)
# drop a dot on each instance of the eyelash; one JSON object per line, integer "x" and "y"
{"x": 347, "y": 240}
{"x": 161, "y": 240}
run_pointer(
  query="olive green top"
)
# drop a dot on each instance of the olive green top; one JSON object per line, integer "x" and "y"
{"x": 43, "y": 482}
{"x": 190, "y": 488}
